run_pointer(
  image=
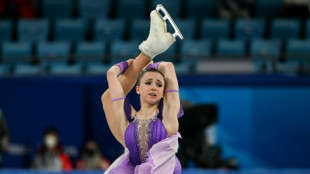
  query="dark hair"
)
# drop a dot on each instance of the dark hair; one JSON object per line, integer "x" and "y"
{"x": 149, "y": 70}
{"x": 50, "y": 130}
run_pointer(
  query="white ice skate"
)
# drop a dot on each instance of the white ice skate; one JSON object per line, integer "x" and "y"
{"x": 167, "y": 16}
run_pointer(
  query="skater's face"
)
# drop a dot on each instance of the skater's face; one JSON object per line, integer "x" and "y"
{"x": 151, "y": 87}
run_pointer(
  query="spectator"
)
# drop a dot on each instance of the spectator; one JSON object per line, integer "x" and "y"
{"x": 50, "y": 155}
{"x": 91, "y": 158}
{"x": 235, "y": 9}
{"x": 4, "y": 136}
{"x": 297, "y": 8}
{"x": 17, "y": 8}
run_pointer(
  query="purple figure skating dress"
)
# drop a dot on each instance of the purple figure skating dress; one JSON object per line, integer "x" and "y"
{"x": 149, "y": 149}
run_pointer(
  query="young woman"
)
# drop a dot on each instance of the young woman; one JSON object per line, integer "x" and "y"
{"x": 149, "y": 135}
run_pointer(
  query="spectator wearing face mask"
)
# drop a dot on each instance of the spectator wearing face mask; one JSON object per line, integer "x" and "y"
{"x": 4, "y": 136}
{"x": 91, "y": 158}
{"x": 50, "y": 155}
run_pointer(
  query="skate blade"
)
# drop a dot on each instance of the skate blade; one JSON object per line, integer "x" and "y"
{"x": 177, "y": 32}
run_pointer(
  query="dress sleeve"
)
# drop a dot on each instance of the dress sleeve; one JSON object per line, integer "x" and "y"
{"x": 161, "y": 106}
{"x": 127, "y": 109}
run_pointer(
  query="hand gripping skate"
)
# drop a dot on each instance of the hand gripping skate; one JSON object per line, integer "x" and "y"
{"x": 167, "y": 16}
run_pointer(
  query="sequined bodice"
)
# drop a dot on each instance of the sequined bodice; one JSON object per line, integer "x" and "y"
{"x": 141, "y": 135}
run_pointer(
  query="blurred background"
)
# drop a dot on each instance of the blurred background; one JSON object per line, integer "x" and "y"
{"x": 243, "y": 70}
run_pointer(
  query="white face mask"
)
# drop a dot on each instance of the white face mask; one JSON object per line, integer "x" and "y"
{"x": 50, "y": 141}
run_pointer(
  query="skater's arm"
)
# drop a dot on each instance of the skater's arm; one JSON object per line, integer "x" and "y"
{"x": 171, "y": 98}
{"x": 127, "y": 81}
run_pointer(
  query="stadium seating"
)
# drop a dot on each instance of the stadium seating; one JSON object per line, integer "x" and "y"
{"x": 6, "y": 28}
{"x": 267, "y": 8}
{"x": 200, "y": 8}
{"x": 5, "y": 69}
{"x": 108, "y": 30}
{"x": 139, "y": 29}
{"x": 58, "y": 69}
{"x": 97, "y": 69}
{"x": 96, "y": 30}
{"x": 94, "y": 9}
{"x": 285, "y": 28}
{"x": 184, "y": 67}
{"x": 298, "y": 54}
{"x": 20, "y": 52}
{"x": 70, "y": 30}
{"x": 169, "y": 55}
{"x": 53, "y": 53}
{"x": 230, "y": 48}
{"x": 264, "y": 53}
{"x": 90, "y": 52}
{"x": 186, "y": 26}
{"x": 55, "y": 9}
{"x": 33, "y": 30}
{"x": 24, "y": 70}
{"x": 215, "y": 29}
{"x": 172, "y": 6}
{"x": 193, "y": 50}
{"x": 123, "y": 50}
{"x": 249, "y": 28}
{"x": 131, "y": 9}
{"x": 307, "y": 29}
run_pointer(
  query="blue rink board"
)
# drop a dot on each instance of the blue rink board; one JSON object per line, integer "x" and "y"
{"x": 260, "y": 117}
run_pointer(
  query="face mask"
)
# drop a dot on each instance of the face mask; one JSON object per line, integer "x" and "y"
{"x": 50, "y": 141}
{"x": 90, "y": 152}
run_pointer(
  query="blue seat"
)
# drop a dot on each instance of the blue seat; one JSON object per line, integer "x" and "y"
{"x": 109, "y": 30}
{"x": 193, "y": 50}
{"x": 172, "y": 6}
{"x": 139, "y": 29}
{"x": 169, "y": 55}
{"x": 230, "y": 48}
{"x": 97, "y": 69}
{"x": 307, "y": 29}
{"x": 90, "y": 52}
{"x": 264, "y": 53}
{"x": 131, "y": 9}
{"x": 123, "y": 50}
{"x": 6, "y": 28}
{"x": 261, "y": 48}
{"x": 200, "y": 8}
{"x": 5, "y": 69}
{"x": 65, "y": 69}
{"x": 298, "y": 51}
{"x": 93, "y": 9}
{"x": 21, "y": 69}
{"x": 53, "y": 53}
{"x": 20, "y": 52}
{"x": 184, "y": 67}
{"x": 32, "y": 30}
{"x": 54, "y": 9}
{"x": 285, "y": 28}
{"x": 186, "y": 26}
{"x": 215, "y": 29}
{"x": 249, "y": 29}
{"x": 70, "y": 30}
{"x": 269, "y": 8}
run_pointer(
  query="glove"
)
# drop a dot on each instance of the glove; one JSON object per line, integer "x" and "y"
{"x": 159, "y": 40}
{"x": 153, "y": 65}
{"x": 123, "y": 66}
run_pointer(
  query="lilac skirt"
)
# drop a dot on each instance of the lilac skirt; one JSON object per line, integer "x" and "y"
{"x": 161, "y": 159}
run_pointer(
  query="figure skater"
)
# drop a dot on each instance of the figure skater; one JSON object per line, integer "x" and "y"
{"x": 149, "y": 135}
